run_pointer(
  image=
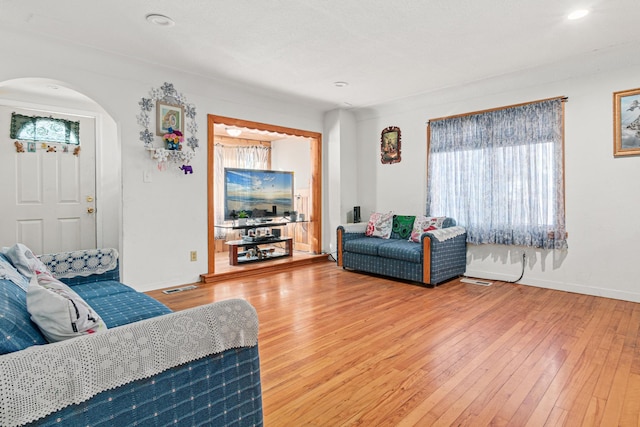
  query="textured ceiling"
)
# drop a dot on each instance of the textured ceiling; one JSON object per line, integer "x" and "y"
{"x": 384, "y": 49}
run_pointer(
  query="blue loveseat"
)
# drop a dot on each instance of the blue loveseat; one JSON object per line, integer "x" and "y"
{"x": 439, "y": 256}
{"x": 151, "y": 367}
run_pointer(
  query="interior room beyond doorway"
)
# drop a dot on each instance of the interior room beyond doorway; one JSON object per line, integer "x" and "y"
{"x": 246, "y": 146}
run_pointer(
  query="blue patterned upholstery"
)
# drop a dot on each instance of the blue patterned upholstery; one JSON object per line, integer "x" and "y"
{"x": 402, "y": 259}
{"x": 17, "y": 331}
{"x": 402, "y": 250}
{"x": 223, "y": 389}
{"x": 383, "y": 266}
{"x": 447, "y": 258}
{"x": 119, "y": 304}
{"x": 109, "y": 275}
{"x": 365, "y": 245}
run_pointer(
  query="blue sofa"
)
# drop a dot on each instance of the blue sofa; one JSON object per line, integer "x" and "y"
{"x": 437, "y": 258}
{"x": 151, "y": 367}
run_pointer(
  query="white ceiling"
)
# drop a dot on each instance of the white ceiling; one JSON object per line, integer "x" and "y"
{"x": 384, "y": 49}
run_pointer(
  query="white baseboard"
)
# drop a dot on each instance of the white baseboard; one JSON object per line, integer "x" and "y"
{"x": 559, "y": 286}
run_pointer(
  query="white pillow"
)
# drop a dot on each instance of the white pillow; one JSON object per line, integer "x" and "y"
{"x": 58, "y": 311}
{"x": 425, "y": 223}
{"x": 380, "y": 225}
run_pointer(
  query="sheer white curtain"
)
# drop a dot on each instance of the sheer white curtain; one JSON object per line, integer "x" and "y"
{"x": 500, "y": 174}
{"x": 229, "y": 156}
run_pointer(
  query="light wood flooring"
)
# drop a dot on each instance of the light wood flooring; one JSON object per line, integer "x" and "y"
{"x": 340, "y": 348}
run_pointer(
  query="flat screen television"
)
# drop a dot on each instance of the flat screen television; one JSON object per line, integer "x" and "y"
{"x": 268, "y": 192}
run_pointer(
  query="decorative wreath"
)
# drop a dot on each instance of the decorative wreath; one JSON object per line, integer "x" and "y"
{"x": 172, "y": 150}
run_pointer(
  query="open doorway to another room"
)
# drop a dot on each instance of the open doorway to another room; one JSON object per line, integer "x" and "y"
{"x": 235, "y": 144}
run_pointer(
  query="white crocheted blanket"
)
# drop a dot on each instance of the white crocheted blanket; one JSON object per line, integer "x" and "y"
{"x": 81, "y": 263}
{"x": 443, "y": 234}
{"x": 43, "y": 379}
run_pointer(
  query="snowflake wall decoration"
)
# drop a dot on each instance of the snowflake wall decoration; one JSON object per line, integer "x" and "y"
{"x": 167, "y": 94}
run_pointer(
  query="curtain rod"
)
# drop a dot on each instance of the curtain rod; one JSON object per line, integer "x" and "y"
{"x": 489, "y": 110}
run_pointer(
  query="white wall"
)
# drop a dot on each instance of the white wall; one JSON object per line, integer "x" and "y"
{"x": 162, "y": 221}
{"x": 341, "y": 179}
{"x": 293, "y": 154}
{"x": 602, "y": 196}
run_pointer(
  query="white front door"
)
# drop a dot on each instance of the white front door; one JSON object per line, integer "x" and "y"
{"x": 48, "y": 197}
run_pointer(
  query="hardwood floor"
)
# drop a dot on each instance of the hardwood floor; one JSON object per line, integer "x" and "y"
{"x": 340, "y": 348}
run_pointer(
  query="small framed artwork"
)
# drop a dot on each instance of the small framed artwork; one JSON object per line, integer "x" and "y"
{"x": 626, "y": 123}
{"x": 169, "y": 116}
{"x": 390, "y": 145}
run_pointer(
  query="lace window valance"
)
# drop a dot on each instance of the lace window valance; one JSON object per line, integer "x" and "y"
{"x": 44, "y": 129}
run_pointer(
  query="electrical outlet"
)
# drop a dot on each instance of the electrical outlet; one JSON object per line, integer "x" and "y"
{"x": 194, "y": 255}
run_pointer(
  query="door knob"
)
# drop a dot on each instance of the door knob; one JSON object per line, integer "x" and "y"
{"x": 90, "y": 210}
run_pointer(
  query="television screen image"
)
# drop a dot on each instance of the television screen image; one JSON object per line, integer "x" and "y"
{"x": 254, "y": 189}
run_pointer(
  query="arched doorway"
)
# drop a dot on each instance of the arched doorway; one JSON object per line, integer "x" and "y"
{"x": 95, "y": 198}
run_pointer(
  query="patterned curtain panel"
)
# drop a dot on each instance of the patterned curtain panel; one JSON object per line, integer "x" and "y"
{"x": 44, "y": 129}
{"x": 500, "y": 175}
{"x": 254, "y": 157}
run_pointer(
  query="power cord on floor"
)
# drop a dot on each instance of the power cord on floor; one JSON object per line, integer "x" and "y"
{"x": 484, "y": 281}
{"x": 524, "y": 255}
{"x": 331, "y": 257}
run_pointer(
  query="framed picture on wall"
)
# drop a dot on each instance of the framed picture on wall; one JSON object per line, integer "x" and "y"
{"x": 169, "y": 116}
{"x": 626, "y": 123}
{"x": 390, "y": 145}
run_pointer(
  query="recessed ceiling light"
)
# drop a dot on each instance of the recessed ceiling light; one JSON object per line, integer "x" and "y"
{"x": 577, "y": 14}
{"x": 160, "y": 20}
{"x": 340, "y": 84}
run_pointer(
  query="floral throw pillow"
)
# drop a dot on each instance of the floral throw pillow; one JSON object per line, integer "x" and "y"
{"x": 380, "y": 225}
{"x": 425, "y": 223}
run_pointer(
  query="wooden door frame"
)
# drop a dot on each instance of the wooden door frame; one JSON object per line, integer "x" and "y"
{"x": 315, "y": 220}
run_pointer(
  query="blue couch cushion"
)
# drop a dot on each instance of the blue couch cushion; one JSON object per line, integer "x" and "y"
{"x": 17, "y": 331}
{"x": 118, "y": 304}
{"x": 402, "y": 250}
{"x": 365, "y": 245}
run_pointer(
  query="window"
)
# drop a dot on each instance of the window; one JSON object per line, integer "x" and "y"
{"x": 44, "y": 129}
{"x": 500, "y": 174}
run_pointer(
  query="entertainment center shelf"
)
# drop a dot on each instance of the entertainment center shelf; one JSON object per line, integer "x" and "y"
{"x": 253, "y": 244}
{"x": 254, "y": 252}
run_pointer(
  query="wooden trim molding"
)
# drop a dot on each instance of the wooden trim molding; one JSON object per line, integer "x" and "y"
{"x": 426, "y": 260}
{"x": 339, "y": 255}
{"x": 315, "y": 219}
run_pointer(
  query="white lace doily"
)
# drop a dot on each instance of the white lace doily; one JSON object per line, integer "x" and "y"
{"x": 43, "y": 379}
{"x": 80, "y": 263}
{"x": 443, "y": 234}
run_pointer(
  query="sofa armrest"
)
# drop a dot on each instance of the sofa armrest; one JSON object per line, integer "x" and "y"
{"x": 444, "y": 253}
{"x": 40, "y": 380}
{"x": 346, "y": 232}
{"x": 82, "y": 266}
{"x": 443, "y": 234}
{"x": 359, "y": 227}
